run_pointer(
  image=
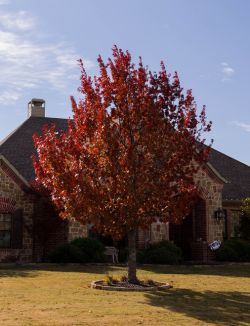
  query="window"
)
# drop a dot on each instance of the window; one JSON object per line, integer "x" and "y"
{"x": 5, "y": 230}
{"x": 235, "y": 226}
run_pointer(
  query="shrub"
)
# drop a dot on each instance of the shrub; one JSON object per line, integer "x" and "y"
{"x": 124, "y": 278}
{"x": 123, "y": 255}
{"x": 150, "y": 282}
{"x": 67, "y": 253}
{"x": 93, "y": 249}
{"x": 234, "y": 250}
{"x": 244, "y": 227}
{"x": 226, "y": 253}
{"x": 164, "y": 252}
{"x": 110, "y": 280}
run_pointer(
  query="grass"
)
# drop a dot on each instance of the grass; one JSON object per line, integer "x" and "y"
{"x": 60, "y": 295}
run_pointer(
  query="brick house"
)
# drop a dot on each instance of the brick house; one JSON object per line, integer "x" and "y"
{"x": 223, "y": 183}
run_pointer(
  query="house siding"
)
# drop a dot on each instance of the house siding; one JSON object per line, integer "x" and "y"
{"x": 12, "y": 198}
{"x": 205, "y": 227}
{"x": 210, "y": 190}
{"x": 76, "y": 230}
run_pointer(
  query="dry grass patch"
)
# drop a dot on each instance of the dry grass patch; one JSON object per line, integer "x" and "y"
{"x": 60, "y": 295}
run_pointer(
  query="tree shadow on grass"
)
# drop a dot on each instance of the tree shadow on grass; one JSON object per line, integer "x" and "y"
{"x": 235, "y": 270}
{"x": 78, "y": 268}
{"x": 220, "y": 308}
{"x": 239, "y": 270}
{"x": 14, "y": 270}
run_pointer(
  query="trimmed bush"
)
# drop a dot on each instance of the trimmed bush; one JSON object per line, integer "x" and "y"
{"x": 237, "y": 250}
{"x": 245, "y": 227}
{"x": 164, "y": 252}
{"x": 93, "y": 249}
{"x": 123, "y": 255}
{"x": 226, "y": 253}
{"x": 67, "y": 253}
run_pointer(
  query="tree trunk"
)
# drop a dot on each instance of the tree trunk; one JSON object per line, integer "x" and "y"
{"x": 132, "y": 256}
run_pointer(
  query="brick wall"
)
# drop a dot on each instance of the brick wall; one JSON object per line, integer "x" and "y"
{"x": 200, "y": 252}
{"x": 232, "y": 210}
{"x": 50, "y": 231}
{"x": 143, "y": 238}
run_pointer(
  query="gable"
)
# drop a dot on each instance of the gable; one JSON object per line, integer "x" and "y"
{"x": 10, "y": 178}
{"x": 236, "y": 173}
{"x": 209, "y": 182}
{"x": 18, "y": 147}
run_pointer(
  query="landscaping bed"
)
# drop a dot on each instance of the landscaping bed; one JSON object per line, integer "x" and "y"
{"x": 126, "y": 286}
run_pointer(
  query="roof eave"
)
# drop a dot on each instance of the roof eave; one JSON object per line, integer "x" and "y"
{"x": 216, "y": 173}
{"x": 20, "y": 177}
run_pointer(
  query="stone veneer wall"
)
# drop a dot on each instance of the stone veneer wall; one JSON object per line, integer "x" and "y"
{"x": 159, "y": 231}
{"x": 211, "y": 191}
{"x": 76, "y": 230}
{"x": 12, "y": 197}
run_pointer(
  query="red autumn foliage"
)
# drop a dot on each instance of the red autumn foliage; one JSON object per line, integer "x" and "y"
{"x": 130, "y": 152}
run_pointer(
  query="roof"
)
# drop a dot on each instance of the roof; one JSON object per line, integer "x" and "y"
{"x": 18, "y": 148}
{"x": 237, "y": 174}
{"x": 13, "y": 173}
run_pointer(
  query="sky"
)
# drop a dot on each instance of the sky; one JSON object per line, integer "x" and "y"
{"x": 206, "y": 41}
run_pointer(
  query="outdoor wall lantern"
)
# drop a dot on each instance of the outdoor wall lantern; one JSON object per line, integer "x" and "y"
{"x": 219, "y": 214}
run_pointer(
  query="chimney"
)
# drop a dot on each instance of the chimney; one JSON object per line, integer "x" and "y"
{"x": 36, "y": 108}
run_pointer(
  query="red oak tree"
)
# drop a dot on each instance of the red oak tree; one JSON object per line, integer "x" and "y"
{"x": 129, "y": 153}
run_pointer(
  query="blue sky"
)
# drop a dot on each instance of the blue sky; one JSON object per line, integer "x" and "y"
{"x": 206, "y": 42}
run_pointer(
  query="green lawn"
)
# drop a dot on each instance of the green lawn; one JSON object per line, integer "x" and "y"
{"x": 60, "y": 295}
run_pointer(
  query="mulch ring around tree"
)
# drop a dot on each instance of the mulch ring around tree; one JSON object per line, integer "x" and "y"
{"x": 126, "y": 286}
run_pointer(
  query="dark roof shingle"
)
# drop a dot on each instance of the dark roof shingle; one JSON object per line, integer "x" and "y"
{"x": 236, "y": 173}
{"x": 18, "y": 148}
